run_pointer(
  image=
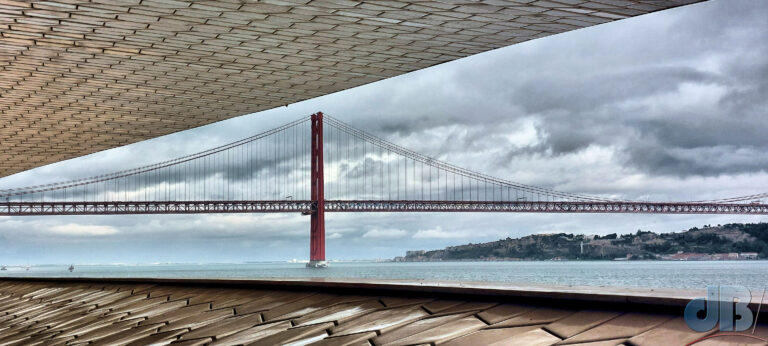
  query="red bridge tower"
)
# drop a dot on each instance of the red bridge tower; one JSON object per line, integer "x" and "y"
{"x": 317, "y": 224}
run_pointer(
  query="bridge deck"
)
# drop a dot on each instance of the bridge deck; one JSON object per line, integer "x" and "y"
{"x": 214, "y": 312}
{"x": 293, "y": 206}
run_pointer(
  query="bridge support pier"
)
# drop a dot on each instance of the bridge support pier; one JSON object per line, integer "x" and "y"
{"x": 317, "y": 264}
{"x": 317, "y": 224}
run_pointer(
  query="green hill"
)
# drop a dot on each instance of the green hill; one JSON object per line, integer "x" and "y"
{"x": 730, "y": 238}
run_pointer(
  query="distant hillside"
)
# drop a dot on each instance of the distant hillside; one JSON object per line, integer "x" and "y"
{"x": 731, "y": 238}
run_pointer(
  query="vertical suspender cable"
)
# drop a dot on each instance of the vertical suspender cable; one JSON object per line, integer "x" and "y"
{"x": 349, "y": 165}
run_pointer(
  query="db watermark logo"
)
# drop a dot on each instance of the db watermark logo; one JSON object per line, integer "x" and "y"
{"x": 726, "y": 306}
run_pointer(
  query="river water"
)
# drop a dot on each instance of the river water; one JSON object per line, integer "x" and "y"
{"x": 657, "y": 274}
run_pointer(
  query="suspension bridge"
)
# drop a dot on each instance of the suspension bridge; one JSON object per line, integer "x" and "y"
{"x": 321, "y": 164}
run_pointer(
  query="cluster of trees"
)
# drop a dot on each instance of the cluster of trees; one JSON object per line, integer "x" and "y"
{"x": 712, "y": 242}
{"x": 757, "y": 230}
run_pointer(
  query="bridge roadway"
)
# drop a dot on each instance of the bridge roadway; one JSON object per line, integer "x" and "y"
{"x": 306, "y": 207}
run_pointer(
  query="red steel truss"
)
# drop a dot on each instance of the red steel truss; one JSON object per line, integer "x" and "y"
{"x": 169, "y": 207}
{"x": 309, "y": 207}
{"x": 547, "y": 207}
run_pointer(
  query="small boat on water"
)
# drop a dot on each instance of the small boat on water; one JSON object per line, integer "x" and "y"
{"x": 71, "y": 268}
{"x": 3, "y": 268}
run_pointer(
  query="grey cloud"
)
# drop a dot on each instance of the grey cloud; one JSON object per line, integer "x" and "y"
{"x": 713, "y": 160}
{"x": 578, "y": 94}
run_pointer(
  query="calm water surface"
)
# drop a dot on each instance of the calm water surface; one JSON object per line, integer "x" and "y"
{"x": 695, "y": 275}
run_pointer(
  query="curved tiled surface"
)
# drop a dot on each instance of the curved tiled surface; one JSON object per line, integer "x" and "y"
{"x": 80, "y": 313}
{"x": 80, "y": 76}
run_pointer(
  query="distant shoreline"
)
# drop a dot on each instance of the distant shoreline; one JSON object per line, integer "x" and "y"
{"x": 728, "y": 242}
{"x": 580, "y": 260}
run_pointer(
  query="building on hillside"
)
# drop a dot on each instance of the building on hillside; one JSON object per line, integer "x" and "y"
{"x": 748, "y": 255}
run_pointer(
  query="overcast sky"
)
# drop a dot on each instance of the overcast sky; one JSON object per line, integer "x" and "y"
{"x": 666, "y": 106}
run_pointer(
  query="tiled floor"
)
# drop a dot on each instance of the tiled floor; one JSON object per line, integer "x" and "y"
{"x": 61, "y": 313}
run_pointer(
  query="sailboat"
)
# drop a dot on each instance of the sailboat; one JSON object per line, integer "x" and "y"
{"x": 71, "y": 268}
{"x": 3, "y": 268}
